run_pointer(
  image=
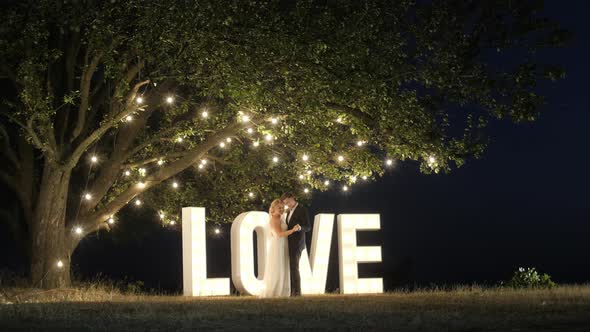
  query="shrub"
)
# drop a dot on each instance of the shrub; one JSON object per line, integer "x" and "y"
{"x": 530, "y": 278}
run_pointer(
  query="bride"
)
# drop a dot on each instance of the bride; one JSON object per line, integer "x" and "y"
{"x": 276, "y": 269}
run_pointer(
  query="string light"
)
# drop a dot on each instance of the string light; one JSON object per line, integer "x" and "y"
{"x": 162, "y": 215}
{"x": 205, "y": 114}
{"x": 169, "y": 99}
{"x": 339, "y": 120}
{"x": 268, "y": 137}
{"x": 204, "y": 161}
{"x": 111, "y": 220}
{"x": 353, "y": 178}
{"x": 364, "y": 177}
{"x": 250, "y": 194}
{"x": 301, "y": 176}
{"x": 87, "y": 196}
{"x": 306, "y": 190}
{"x": 217, "y": 231}
{"x": 94, "y": 159}
{"x": 141, "y": 185}
{"x": 389, "y": 162}
{"x": 60, "y": 264}
{"x": 255, "y": 144}
{"x": 160, "y": 162}
{"x": 275, "y": 159}
{"x": 175, "y": 184}
{"x": 274, "y": 120}
{"x": 172, "y": 222}
{"x": 249, "y": 130}
{"x": 139, "y": 100}
{"x": 431, "y": 160}
{"x": 129, "y": 118}
{"x": 245, "y": 118}
{"x": 201, "y": 166}
{"x": 344, "y": 188}
{"x": 309, "y": 172}
{"x": 179, "y": 140}
{"x": 360, "y": 143}
{"x": 222, "y": 144}
{"x": 340, "y": 158}
{"x": 305, "y": 157}
{"x": 138, "y": 202}
{"x": 78, "y": 230}
{"x": 228, "y": 139}
{"x": 127, "y": 173}
{"x": 326, "y": 183}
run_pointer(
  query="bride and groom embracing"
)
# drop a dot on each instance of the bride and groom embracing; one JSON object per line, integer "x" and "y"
{"x": 287, "y": 241}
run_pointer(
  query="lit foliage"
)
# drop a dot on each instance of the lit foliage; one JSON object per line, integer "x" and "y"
{"x": 411, "y": 80}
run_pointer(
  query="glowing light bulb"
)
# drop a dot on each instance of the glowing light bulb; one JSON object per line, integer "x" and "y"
{"x": 169, "y": 99}
{"x": 162, "y": 215}
{"x": 228, "y": 139}
{"x": 217, "y": 231}
{"x": 172, "y": 222}
{"x": 222, "y": 144}
{"x": 141, "y": 185}
{"x": 129, "y": 118}
{"x": 255, "y": 144}
{"x": 87, "y": 197}
{"x": 275, "y": 159}
{"x": 249, "y": 130}
{"x": 339, "y": 120}
{"x": 360, "y": 143}
{"x": 309, "y": 172}
{"x": 204, "y": 161}
{"x": 431, "y": 160}
{"x": 340, "y": 158}
{"x": 301, "y": 176}
{"x": 111, "y": 220}
{"x": 345, "y": 188}
{"x": 139, "y": 100}
{"x": 127, "y": 173}
{"x": 60, "y": 264}
{"x": 305, "y": 157}
{"x": 137, "y": 202}
{"x": 274, "y": 121}
{"x": 326, "y": 183}
{"x": 201, "y": 166}
{"x": 78, "y": 230}
{"x": 160, "y": 162}
{"x": 353, "y": 178}
{"x": 245, "y": 118}
{"x": 306, "y": 190}
{"x": 250, "y": 194}
{"x": 389, "y": 162}
{"x": 205, "y": 114}
{"x": 94, "y": 159}
{"x": 174, "y": 184}
{"x": 268, "y": 137}
{"x": 364, "y": 177}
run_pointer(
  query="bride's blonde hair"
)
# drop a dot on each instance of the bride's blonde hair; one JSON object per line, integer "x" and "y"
{"x": 274, "y": 205}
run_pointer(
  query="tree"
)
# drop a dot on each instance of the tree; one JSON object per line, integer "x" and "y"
{"x": 225, "y": 104}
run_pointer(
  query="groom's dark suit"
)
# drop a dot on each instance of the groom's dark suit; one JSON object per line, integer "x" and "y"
{"x": 297, "y": 244}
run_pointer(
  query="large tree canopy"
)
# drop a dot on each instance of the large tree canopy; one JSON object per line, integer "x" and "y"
{"x": 226, "y": 104}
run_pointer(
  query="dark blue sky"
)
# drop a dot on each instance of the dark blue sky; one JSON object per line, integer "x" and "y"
{"x": 525, "y": 203}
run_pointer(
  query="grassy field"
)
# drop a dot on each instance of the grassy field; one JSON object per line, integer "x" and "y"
{"x": 565, "y": 308}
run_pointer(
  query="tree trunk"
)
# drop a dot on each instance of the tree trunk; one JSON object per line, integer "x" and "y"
{"x": 50, "y": 249}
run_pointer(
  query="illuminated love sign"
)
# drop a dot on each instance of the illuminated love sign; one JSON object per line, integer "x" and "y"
{"x": 313, "y": 270}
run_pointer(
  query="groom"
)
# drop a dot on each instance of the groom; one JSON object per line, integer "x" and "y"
{"x": 297, "y": 215}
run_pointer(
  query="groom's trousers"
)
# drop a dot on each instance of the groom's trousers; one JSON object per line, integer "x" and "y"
{"x": 294, "y": 256}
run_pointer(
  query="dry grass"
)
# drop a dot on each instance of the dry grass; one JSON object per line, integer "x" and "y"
{"x": 565, "y": 308}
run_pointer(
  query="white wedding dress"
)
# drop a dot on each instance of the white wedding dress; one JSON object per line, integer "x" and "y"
{"x": 277, "y": 282}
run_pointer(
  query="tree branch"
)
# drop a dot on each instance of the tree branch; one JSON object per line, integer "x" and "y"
{"x": 106, "y": 125}
{"x": 191, "y": 157}
{"x": 85, "y": 83}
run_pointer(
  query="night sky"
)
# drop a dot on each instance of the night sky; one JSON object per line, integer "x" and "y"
{"x": 525, "y": 203}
